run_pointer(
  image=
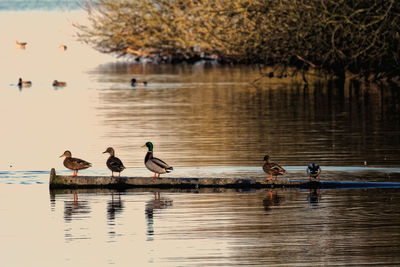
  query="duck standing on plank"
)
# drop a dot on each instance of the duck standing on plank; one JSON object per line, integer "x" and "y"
{"x": 272, "y": 169}
{"x": 74, "y": 164}
{"x": 313, "y": 171}
{"x": 153, "y": 164}
{"x": 114, "y": 163}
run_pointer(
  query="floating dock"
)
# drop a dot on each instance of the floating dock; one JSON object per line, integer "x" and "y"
{"x": 64, "y": 182}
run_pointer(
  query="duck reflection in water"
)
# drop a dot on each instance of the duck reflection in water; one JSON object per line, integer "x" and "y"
{"x": 272, "y": 199}
{"x": 75, "y": 208}
{"x": 155, "y": 204}
{"x": 314, "y": 196}
{"x": 114, "y": 206}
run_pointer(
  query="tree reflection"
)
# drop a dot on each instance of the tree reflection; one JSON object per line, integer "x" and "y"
{"x": 235, "y": 123}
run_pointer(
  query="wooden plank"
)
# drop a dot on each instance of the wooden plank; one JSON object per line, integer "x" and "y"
{"x": 64, "y": 182}
{"x": 60, "y": 181}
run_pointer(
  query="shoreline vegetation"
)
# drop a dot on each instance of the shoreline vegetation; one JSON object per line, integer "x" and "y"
{"x": 335, "y": 39}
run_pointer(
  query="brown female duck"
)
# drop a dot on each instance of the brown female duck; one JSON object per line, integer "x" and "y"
{"x": 59, "y": 84}
{"x": 272, "y": 169}
{"x": 74, "y": 163}
{"x": 114, "y": 163}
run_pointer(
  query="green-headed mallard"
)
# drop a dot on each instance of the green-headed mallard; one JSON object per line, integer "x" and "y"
{"x": 22, "y": 83}
{"x": 74, "y": 163}
{"x": 59, "y": 84}
{"x": 135, "y": 83}
{"x": 313, "y": 171}
{"x": 272, "y": 169}
{"x": 20, "y": 45}
{"x": 155, "y": 165}
{"x": 114, "y": 163}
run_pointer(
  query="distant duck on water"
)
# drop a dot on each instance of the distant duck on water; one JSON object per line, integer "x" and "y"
{"x": 313, "y": 171}
{"x": 59, "y": 84}
{"x": 272, "y": 169}
{"x": 20, "y": 45}
{"x": 74, "y": 164}
{"x": 22, "y": 83}
{"x": 63, "y": 47}
{"x": 153, "y": 164}
{"x": 114, "y": 163}
{"x": 135, "y": 83}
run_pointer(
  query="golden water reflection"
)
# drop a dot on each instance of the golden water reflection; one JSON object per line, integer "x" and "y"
{"x": 202, "y": 116}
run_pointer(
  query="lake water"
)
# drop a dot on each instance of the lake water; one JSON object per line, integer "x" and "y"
{"x": 206, "y": 121}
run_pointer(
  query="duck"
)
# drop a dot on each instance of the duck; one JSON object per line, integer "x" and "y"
{"x": 135, "y": 83}
{"x": 74, "y": 164}
{"x": 63, "y": 47}
{"x": 153, "y": 164}
{"x": 114, "y": 163}
{"x": 272, "y": 168}
{"x": 313, "y": 171}
{"x": 59, "y": 84}
{"x": 20, "y": 45}
{"x": 22, "y": 83}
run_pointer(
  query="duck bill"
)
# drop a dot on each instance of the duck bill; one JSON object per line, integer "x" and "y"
{"x": 105, "y": 152}
{"x": 143, "y": 145}
{"x": 63, "y": 155}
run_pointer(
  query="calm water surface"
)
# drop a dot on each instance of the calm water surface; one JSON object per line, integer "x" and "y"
{"x": 199, "y": 228}
{"x": 206, "y": 121}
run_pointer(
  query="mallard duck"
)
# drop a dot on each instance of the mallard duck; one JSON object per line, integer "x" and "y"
{"x": 154, "y": 164}
{"x": 63, "y": 47}
{"x": 22, "y": 83}
{"x": 272, "y": 168}
{"x": 74, "y": 163}
{"x": 135, "y": 83}
{"x": 20, "y": 45}
{"x": 313, "y": 171}
{"x": 114, "y": 163}
{"x": 59, "y": 84}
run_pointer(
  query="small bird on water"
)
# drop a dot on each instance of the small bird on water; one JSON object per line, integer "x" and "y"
{"x": 114, "y": 163}
{"x": 63, "y": 47}
{"x": 135, "y": 83}
{"x": 313, "y": 171}
{"x": 153, "y": 164}
{"x": 20, "y": 45}
{"x": 272, "y": 169}
{"x": 59, "y": 83}
{"x": 74, "y": 164}
{"x": 22, "y": 83}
